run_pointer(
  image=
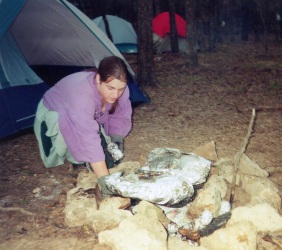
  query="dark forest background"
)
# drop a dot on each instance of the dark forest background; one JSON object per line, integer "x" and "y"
{"x": 209, "y": 22}
{"x": 232, "y": 17}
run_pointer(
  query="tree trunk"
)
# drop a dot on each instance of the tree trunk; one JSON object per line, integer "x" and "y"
{"x": 263, "y": 21}
{"x": 173, "y": 29}
{"x": 157, "y": 7}
{"x": 231, "y": 19}
{"x": 108, "y": 32}
{"x": 145, "y": 57}
{"x": 190, "y": 8}
{"x": 212, "y": 24}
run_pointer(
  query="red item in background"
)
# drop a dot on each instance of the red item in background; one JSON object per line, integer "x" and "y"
{"x": 161, "y": 24}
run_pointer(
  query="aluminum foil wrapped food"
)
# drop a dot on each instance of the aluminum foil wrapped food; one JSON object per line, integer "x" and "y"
{"x": 115, "y": 151}
{"x": 168, "y": 177}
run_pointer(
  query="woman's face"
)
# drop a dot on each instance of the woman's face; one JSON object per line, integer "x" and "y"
{"x": 111, "y": 90}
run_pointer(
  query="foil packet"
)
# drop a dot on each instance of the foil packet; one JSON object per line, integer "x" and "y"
{"x": 168, "y": 177}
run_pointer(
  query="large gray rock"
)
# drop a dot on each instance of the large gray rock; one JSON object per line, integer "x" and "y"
{"x": 241, "y": 235}
{"x": 106, "y": 219}
{"x": 149, "y": 210}
{"x": 86, "y": 180}
{"x": 208, "y": 151}
{"x": 263, "y": 216}
{"x": 225, "y": 168}
{"x": 261, "y": 190}
{"x": 114, "y": 203}
{"x": 79, "y": 205}
{"x": 137, "y": 232}
{"x": 206, "y": 199}
{"x": 216, "y": 182}
{"x": 174, "y": 243}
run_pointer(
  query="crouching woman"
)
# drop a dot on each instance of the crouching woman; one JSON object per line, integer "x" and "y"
{"x": 78, "y": 115}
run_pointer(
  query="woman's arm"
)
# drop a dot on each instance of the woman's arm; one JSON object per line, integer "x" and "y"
{"x": 100, "y": 168}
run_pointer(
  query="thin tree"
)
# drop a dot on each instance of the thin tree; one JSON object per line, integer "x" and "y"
{"x": 173, "y": 29}
{"x": 157, "y": 9}
{"x": 212, "y": 24}
{"x": 190, "y": 10}
{"x": 262, "y": 18}
{"x": 145, "y": 57}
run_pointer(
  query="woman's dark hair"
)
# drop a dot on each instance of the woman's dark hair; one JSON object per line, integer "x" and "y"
{"x": 111, "y": 68}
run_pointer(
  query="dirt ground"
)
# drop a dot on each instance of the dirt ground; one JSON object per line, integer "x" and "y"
{"x": 191, "y": 107}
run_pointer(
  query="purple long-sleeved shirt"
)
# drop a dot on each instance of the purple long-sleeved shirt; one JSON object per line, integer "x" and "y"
{"x": 79, "y": 104}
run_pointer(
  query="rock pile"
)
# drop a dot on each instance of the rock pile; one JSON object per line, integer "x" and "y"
{"x": 255, "y": 222}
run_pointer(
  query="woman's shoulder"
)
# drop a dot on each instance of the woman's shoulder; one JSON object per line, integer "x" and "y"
{"x": 81, "y": 75}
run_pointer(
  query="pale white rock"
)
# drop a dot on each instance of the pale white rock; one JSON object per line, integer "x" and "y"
{"x": 172, "y": 229}
{"x": 150, "y": 210}
{"x": 261, "y": 190}
{"x": 241, "y": 235}
{"x": 206, "y": 217}
{"x": 206, "y": 199}
{"x": 262, "y": 215}
{"x": 179, "y": 216}
{"x": 106, "y": 219}
{"x": 216, "y": 182}
{"x": 225, "y": 207}
{"x": 114, "y": 203}
{"x": 208, "y": 151}
{"x": 77, "y": 213}
{"x": 225, "y": 168}
{"x": 78, "y": 207}
{"x": 136, "y": 232}
{"x": 86, "y": 180}
{"x": 174, "y": 243}
{"x": 36, "y": 190}
{"x": 248, "y": 166}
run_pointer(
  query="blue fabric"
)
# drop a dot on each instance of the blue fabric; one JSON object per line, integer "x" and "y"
{"x": 9, "y": 9}
{"x": 128, "y": 48}
{"x": 18, "y": 107}
{"x": 137, "y": 95}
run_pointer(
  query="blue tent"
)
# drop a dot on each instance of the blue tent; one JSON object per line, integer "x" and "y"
{"x": 42, "y": 36}
{"x": 122, "y": 32}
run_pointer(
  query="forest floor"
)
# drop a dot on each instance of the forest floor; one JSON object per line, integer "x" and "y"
{"x": 189, "y": 108}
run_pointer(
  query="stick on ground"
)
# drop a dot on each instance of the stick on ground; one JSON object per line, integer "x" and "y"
{"x": 238, "y": 156}
{"x": 10, "y": 209}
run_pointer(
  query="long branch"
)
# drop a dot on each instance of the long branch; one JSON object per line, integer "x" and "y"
{"x": 239, "y": 154}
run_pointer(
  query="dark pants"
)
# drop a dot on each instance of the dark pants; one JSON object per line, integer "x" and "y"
{"x": 108, "y": 158}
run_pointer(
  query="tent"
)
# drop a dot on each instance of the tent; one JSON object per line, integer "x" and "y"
{"x": 121, "y": 31}
{"x": 50, "y": 39}
{"x": 162, "y": 44}
{"x": 161, "y": 24}
{"x": 161, "y": 33}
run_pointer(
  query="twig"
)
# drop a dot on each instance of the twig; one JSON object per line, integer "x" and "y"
{"x": 262, "y": 108}
{"x": 9, "y": 209}
{"x": 239, "y": 154}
